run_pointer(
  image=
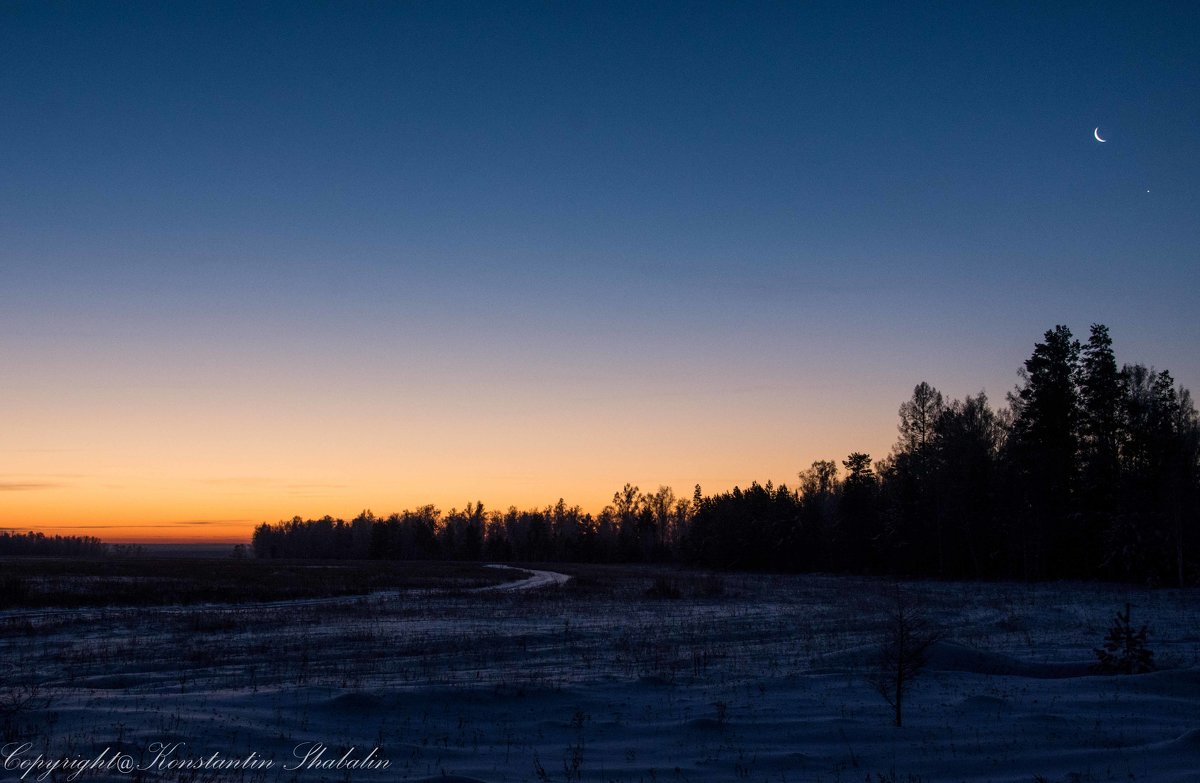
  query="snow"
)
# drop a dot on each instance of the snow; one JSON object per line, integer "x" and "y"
{"x": 766, "y": 683}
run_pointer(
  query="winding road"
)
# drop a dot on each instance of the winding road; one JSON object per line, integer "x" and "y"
{"x": 534, "y": 580}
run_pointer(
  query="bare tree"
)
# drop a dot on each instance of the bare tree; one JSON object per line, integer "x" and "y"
{"x": 907, "y": 636}
{"x": 20, "y": 695}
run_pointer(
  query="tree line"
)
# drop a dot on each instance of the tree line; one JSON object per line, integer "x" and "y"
{"x": 40, "y": 545}
{"x": 1092, "y": 470}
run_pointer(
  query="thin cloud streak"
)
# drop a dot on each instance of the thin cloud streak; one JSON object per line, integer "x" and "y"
{"x": 239, "y": 481}
{"x": 210, "y": 522}
{"x": 30, "y": 486}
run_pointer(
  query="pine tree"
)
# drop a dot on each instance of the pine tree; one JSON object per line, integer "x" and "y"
{"x": 1046, "y": 447}
{"x": 1100, "y": 436}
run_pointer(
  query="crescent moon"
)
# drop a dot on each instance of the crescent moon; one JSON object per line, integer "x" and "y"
{"x": 1096, "y": 133}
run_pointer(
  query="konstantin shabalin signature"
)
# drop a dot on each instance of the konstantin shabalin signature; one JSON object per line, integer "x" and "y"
{"x": 173, "y": 757}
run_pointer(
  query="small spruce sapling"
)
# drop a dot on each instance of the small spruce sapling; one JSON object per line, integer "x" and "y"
{"x": 1125, "y": 650}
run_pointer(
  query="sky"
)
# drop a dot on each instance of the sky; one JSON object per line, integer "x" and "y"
{"x": 265, "y": 260}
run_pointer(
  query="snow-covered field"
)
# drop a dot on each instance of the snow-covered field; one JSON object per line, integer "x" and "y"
{"x": 756, "y": 678}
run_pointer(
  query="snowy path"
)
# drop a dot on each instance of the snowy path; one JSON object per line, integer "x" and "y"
{"x": 534, "y": 580}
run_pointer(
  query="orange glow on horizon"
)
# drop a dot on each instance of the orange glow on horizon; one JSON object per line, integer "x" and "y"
{"x": 208, "y": 462}
{"x": 173, "y": 507}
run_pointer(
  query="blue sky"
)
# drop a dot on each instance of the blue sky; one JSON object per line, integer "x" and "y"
{"x": 772, "y": 216}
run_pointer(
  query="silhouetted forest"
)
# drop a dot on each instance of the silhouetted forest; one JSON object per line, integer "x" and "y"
{"x": 41, "y": 545}
{"x": 1092, "y": 470}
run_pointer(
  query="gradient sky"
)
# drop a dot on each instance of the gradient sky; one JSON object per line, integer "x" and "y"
{"x": 265, "y": 260}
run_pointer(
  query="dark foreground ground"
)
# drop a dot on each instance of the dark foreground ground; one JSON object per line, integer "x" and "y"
{"x": 622, "y": 674}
